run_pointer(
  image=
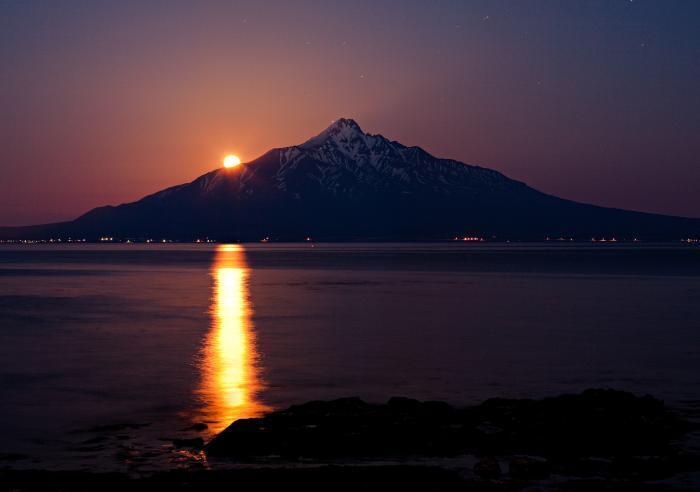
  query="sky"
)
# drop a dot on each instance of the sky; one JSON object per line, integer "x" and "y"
{"x": 104, "y": 102}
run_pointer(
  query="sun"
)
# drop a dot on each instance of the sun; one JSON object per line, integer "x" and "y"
{"x": 231, "y": 161}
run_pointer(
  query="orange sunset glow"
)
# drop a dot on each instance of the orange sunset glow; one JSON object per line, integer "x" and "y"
{"x": 231, "y": 161}
{"x": 271, "y": 245}
{"x": 158, "y": 94}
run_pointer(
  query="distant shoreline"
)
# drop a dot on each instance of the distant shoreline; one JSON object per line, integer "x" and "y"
{"x": 469, "y": 241}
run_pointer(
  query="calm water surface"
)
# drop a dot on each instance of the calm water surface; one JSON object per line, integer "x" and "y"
{"x": 107, "y": 352}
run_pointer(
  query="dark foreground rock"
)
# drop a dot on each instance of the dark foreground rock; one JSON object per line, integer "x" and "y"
{"x": 323, "y": 478}
{"x": 527, "y": 468}
{"x": 598, "y": 433}
{"x": 487, "y": 468}
{"x": 596, "y": 422}
{"x": 596, "y": 440}
{"x": 336, "y": 478}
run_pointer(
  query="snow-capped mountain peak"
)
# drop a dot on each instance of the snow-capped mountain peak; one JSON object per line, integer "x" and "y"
{"x": 345, "y": 183}
{"x": 344, "y": 142}
{"x": 343, "y": 150}
{"x": 343, "y": 159}
{"x": 344, "y": 137}
{"x": 341, "y": 129}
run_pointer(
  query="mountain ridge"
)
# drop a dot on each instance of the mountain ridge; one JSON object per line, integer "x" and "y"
{"x": 347, "y": 184}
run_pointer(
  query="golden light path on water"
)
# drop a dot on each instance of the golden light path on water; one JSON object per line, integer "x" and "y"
{"x": 230, "y": 375}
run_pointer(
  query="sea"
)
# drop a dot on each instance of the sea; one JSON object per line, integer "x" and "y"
{"x": 111, "y": 352}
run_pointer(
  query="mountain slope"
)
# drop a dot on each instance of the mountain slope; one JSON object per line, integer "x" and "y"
{"x": 347, "y": 184}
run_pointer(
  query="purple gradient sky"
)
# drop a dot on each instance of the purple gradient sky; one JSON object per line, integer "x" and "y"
{"x": 104, "y": 102}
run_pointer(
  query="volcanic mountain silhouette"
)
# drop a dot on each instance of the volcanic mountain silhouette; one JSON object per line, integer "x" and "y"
{"x": 345, "y": 184}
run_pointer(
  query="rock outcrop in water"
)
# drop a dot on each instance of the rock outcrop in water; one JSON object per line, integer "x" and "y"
{"x": 596, "y": 440}
{"x": 602, "y": 433}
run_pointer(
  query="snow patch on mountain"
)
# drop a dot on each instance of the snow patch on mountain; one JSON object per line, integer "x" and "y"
{"x": 343, "y": 150}
{"x": 344, "y": 160}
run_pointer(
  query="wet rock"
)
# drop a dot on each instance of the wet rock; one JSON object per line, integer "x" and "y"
{"x": 322, "y": 479}
{"x": 487, "y": 468}
{"x": 344, "y": 428}
{"x": 528, "y": 468}
{"x": 603, "y": 423}
{"x": 647, "y": 467}
{"x": 585, "y": 467}
{"x": 593, "y": 423}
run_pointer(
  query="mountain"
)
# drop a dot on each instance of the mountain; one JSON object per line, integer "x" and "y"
{"x": 348, "y": 184}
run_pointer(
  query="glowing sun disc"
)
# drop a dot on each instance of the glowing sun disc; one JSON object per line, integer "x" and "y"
{"x": 231, "y": 161}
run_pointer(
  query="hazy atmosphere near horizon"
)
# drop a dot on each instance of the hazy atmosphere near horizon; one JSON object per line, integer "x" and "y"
{"x": 105, "y": 102}
{"x": 350, "y": 245}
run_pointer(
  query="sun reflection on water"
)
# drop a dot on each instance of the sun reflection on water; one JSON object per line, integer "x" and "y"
{"x": 230, "y": 375}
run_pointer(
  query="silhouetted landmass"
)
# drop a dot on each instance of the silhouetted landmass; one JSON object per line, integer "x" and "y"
{"x": 596, "y": 440}
{"x": 596, "y": 422}
{"x": 345, "y": 184}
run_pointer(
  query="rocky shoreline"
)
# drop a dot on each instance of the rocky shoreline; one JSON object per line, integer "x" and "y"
{"x": 596, "y": 440}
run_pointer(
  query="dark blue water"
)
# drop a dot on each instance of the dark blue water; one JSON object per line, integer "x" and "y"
{"x": 156, "y": 337}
